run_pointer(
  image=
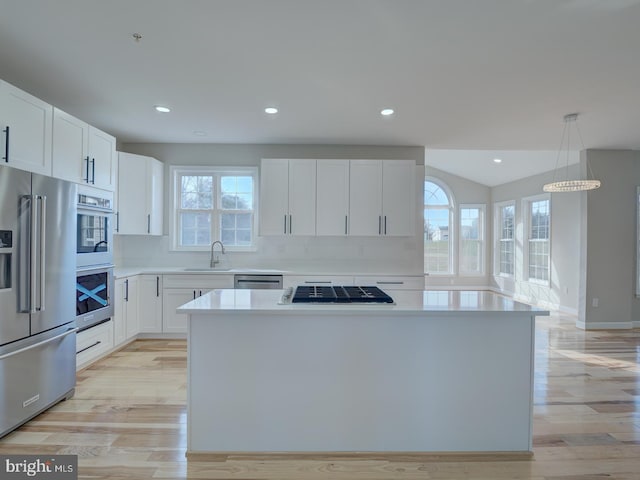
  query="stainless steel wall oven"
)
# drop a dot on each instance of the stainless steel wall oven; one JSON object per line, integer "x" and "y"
{"x": 94, "y": 296}
{"x": 94, "y": 228}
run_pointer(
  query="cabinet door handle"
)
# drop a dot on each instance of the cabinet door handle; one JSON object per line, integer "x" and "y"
{"x": 117, "y": 221}
{"x": 390, "y": 283}
{"x": 290, "y": 224}
{"x": 6, "y": 146}
{"x": 126, "y": 290}
{"x": 312, "y": 282}
{"x": 379, "y": 225}
{"x": 345, "y": 224}
{"x": 194, "y": 294}
{"x": 285, "y": 224}
{"x": 87, "y": 177}
{"x": 93, "y": 171}
{"x": 148, "y": 223}
{"x": 157, "y": 286}
{"x": 90, "y": 346}
{"x": 385, "y": 224}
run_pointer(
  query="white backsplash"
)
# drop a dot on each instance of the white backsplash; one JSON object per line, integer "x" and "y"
{"x": 399, "y": 255}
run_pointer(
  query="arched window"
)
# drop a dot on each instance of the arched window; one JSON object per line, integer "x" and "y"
{"x": 438, "y": 223}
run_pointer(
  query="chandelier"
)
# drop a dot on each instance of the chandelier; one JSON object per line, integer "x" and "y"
{"x": 570, "y": 185}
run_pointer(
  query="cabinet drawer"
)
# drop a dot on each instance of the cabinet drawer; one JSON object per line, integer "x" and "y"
{"x": 200, "y": 281}
{"x": 94, "y": 342}
{"x": 392, "y": 282}
{"x": 298, "y": 280}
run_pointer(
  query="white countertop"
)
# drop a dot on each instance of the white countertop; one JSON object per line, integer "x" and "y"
{"x": 406, "y": 302}
{"x": 122, "y": 272}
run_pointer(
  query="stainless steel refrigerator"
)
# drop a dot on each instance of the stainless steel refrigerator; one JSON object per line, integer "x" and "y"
{"x": 37, "y": 294}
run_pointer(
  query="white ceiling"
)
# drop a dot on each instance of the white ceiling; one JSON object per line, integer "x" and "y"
{"x": 496, "y": 75}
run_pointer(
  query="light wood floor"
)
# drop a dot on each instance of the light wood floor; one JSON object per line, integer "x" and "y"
{"x": 127, "y": 421}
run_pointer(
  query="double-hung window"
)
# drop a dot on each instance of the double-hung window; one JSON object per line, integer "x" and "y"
{"x": 505, "y": 234}
{"x": 438, "y": 220}
{"x": 213, "y": 203}
{"x": 471, "y": 260}
{"x": 538, "y": 227}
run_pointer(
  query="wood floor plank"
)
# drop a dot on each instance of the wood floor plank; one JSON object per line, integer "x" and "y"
{"x": 127, "y": 420}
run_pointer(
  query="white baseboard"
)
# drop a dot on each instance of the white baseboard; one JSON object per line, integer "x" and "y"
{"x": 607, "y": 325}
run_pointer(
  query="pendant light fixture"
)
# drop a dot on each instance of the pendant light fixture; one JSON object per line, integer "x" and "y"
{"x": 567, "y": 185}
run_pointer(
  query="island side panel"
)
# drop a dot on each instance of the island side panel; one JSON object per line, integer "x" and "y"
{"x": 269, "y": 382}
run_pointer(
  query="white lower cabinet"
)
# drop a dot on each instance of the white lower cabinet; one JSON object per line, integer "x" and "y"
{"x": 93, "y": 343}
{"x": 126, "y": 323}
{"x": 317, "y": 280}
{"x": 180, "y": 289}
{"x": 150, "y": 303}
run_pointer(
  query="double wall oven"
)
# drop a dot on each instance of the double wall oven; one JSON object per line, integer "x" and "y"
{"x": 94, "y": 257}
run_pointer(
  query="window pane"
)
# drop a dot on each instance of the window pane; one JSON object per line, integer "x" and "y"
{"x": 506, "y": 245}
{"x": 436, "y": 240}
{"x": 195, "y": 229}
{"x": 237, "y": 192}
{"x": 236, "y": 229}
{"x": 434, "y": 195}
{"x": 507, "y": 221}
{"x": 539, "y": 222}
{"x": 196, "y": 192}
{"x": 471, "y": 241}
{"x": 244, "y": 220}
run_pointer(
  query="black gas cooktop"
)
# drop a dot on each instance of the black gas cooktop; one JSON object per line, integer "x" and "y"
{"x": 340, "y": 294}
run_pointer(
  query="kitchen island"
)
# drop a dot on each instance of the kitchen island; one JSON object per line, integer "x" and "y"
{"x": 437, "y": 371}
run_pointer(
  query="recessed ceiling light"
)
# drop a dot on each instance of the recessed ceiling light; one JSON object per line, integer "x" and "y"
{"x": 497, "y": 160}
{"x": 271, "y": 110}
{"x": 387, "y": 111}
{"x": 199, "y": 133}
{"x": 162, "y": 108}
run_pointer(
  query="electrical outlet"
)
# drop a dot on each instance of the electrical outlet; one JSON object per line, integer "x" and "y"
{"x": 594, "y": 302}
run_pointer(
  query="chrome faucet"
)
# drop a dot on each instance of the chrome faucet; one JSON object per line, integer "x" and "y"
{"x": 215, "y": 260}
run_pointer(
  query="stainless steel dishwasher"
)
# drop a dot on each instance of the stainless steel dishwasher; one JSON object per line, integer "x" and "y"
{"x": 257, "y": 281}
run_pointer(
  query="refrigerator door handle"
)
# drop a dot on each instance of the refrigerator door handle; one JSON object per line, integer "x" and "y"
{"x": 39, "y": 344}
{"x": 42, "y": 247}
{"x": 6, "y": 146}
{"x": 33, "y": 253}
{"x": 25, "y": 290}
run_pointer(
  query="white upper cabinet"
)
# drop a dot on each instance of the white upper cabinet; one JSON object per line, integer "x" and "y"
{"x": 365, "y": 197}
{"x": 332, "y": 183}
{"x": 25, "y": 124}
{"x": 287, "y": 197}
{"x": 82, "y": 153}
{"x": 399, "y": 197}
{"x": 382, "y": 197}
{"x": 104, "y": 162}
{"x": 140, "y": 195}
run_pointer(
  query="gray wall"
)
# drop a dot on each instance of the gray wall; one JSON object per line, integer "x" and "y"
{"x": 609, "y": 254}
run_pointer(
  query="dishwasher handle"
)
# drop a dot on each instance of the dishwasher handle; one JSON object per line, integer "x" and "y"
{"x": 260, "y": 282}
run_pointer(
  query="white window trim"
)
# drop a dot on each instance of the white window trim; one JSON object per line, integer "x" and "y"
{"x": 483, "y": 238}
{"x": 209, "y": 170}
{"x": 526, "y": 207}
{"x": 497, "y": 235}
{"x": 453, "y": 264}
